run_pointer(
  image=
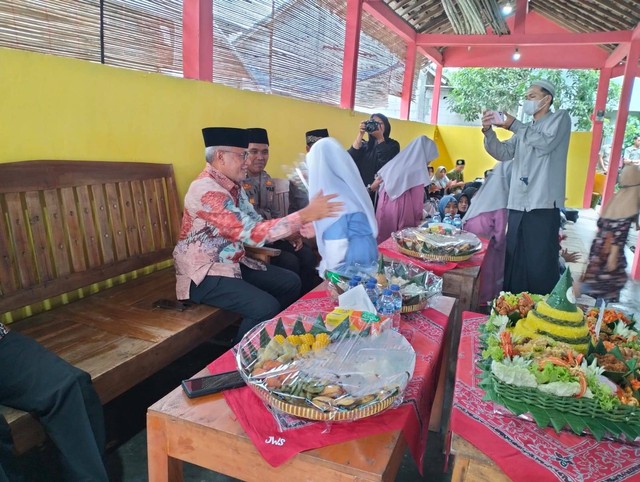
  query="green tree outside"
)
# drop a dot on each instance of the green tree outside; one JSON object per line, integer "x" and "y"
{"x": 477, "y": 89}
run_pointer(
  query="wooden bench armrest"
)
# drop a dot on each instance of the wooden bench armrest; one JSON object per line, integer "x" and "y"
{"x": 263, "y": 253}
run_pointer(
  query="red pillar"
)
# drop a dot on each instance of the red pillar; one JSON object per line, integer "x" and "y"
{"x": 197, "y": 39}
{"x": 435, "y": 100}
{"x": 630, "y": 71}
{"x": 596, "y": 140}
{"x": 351, "y": 46}
{"x": 407, "y": 82}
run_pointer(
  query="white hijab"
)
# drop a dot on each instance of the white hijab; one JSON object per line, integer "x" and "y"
{"x": 332, "y": 171}
{"x": 494, "y": 193}
{"x": 409, "y": 168}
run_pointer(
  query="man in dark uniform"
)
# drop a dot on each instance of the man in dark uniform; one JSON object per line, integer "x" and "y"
{"x": 36, "y": 380}
{"x": 296, "y": 255}
{"x": 456, "y": 175}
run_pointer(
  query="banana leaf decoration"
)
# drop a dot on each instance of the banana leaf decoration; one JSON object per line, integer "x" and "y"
{"x": 279, "y": 330}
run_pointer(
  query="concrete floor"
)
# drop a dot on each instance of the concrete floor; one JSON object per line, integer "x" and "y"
{"x": 125, "y": 416}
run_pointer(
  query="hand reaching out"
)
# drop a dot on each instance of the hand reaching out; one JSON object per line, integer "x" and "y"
{"x": 321, "y": 206}
{"x": 570, "y": 256}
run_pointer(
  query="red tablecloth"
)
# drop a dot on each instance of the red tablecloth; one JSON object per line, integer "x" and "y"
{"x": 390, "y": 248}
{"x": 522, "y": 449}
{"x": 424, "y": 330}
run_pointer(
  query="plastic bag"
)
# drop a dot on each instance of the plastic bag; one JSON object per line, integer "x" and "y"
{"x": 416, "y": 284}
{"x": 305, "y": 367}
{"x": 434, "y": 241}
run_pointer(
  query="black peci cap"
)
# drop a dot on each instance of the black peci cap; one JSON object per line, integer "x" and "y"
{"x": 225, "y": 136}
{"x": 460, "y": 162}
{"x": 315, "y": 135}
{"x": 258, "y": 135}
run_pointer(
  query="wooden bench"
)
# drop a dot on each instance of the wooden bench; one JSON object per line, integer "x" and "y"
{"x": 65, "y": 228}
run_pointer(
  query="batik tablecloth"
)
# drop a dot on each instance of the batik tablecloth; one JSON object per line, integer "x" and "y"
{"x": 520, "y": 448}
{"x": 424, "y": 330}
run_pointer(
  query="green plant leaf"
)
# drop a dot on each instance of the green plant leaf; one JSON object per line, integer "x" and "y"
{"x": 298, "y": 327}
{"x": 341, "y": 330}
{"x": 541, "y": 416}
{"x": 265, "y": 338}
{"x": 558, "y": 421}
{"x": 318, "y": 327}
{"x": 596, "y": 428}
{"x": 576, "y": 423}
{"x": 279, "y": 329}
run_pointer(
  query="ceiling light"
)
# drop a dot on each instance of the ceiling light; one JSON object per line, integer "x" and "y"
{"x": 516, "y": 55}
{"x": 507, "y": 9}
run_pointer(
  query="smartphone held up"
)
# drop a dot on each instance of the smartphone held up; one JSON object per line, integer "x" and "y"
{"x": 498, "y": 118}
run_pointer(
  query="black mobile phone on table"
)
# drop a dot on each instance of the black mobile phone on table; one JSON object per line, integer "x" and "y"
{"x": 196, "y": 387}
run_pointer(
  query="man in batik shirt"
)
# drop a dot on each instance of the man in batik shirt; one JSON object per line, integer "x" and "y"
{"x": 218, "y": 220}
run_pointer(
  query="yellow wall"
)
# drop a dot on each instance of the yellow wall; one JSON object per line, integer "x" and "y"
{"x": 59, "y": 108}
{"x": 467, "y": 143}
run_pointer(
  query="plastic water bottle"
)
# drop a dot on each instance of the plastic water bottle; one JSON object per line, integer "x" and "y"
{"x": 357, "y": 278}
{"x": 372, "y": 292}
{"x": 386, "y": 306}
{"x": 447, "y": 219}
{"x": 397, "y": 306}
{"x": 457, "y": 221}
{"x": 436, "y": 218}
{"x": 353, "y": 283}
{"x": 374, "y": 282}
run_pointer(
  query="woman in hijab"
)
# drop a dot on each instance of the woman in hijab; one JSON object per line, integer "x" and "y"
{"x": 379, "y": 149}
{"x": 440, "y": 181}
{"x": 402, "y": 181}
{"x": 448, "y": 205}
{"x": 487, "y": 218}
{"x": 464, "y": 200}
{"x": 351, "y": 239}
{"x": 606, "y": 272}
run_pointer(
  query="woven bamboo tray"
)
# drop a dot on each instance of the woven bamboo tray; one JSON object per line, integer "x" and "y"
{"x": 312, "y": 413}
{"x": 580, "y": 414}
{"x": 435, "y": 257}
{"x": 417, "y": 307}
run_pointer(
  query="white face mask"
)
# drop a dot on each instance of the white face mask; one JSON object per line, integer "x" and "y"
{"x": 530, "y": 107}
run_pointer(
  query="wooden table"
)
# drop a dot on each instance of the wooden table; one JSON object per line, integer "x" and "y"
{"x": 471, "y": 465}
{"x": 462, "y": 284}
{"x": 204, "y": 431}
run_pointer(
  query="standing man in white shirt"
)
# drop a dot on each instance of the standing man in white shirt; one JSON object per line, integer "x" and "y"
{"x": 537, "y": 188}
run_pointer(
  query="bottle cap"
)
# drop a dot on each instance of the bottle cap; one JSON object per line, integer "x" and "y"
{"x": 395, "y": 288}
{"x": 353, "y": 282}
{"x": 386, "y": 292}
{"x": 357, "y": 278}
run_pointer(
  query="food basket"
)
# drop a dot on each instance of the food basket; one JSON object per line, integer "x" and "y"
{"x": 433, "y": 244}
{"x": 310, "y": 369}
{"x": 579, "y": 414}
{"x": 547, "y": 380}
{"x": 417, "y": 286}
